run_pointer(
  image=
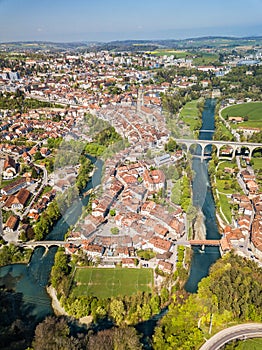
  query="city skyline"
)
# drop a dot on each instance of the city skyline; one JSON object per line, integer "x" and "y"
{"x": 80, "y": 20}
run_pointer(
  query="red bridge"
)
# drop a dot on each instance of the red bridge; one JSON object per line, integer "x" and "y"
{"x": 212, "y": 242}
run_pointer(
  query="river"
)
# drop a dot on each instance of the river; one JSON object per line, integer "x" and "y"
{"x": 203, "y": 198}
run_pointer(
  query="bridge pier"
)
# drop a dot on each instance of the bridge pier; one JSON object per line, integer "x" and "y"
{"x": 218, "y": 150}
{"x": 46, "y": 251}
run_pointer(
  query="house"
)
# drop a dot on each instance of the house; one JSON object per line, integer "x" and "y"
{"x": 161, "y": 160}
{"x": 178, "y": 226}
{"x": 16, "y": 186}
{"x": 11, "y": 224}
{"x": 252, "y": 187}
{"x": 44, "y": 151}
{"x": 128, "y": 262}
{"x": 10, "y": 168}
{"x": 165, "y": 266}
{"x": 225, "y": 245}
{"x": 95, "y": 250}
{"x": 70, "y": 249}
{"x": 161, "y": 230}
{"x": 103, "y": 206}
{"x": 247, "y": 176}
{"x": 235, "y": 119}
{"x": 26, "y": 157}
{"x": 233, "y": 236}
{"x": 154, "y": 180}
{"x": 159, "y": 245}
{"x": 18, "y": 201}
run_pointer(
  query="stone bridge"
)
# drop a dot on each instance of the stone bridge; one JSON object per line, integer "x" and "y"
{"x": 48, "y": 244}
{"x": 219, "y": 144}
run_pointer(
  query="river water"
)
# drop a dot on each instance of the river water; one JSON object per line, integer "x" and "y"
{"x": 31, "y": 280}
{"x": 203, "y": 198}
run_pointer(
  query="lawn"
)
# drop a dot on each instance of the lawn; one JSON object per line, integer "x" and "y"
{"x": 252, "y": 110}
{"x": 111, "y": 282}
{"x": 225, "y": 207}
{"x": 257, "y": 163}
{"x": 189, "y": 115}
{"x": 227, "y": 164}
{"x": 222, "y": 183}
{"x": 205, "y": 58}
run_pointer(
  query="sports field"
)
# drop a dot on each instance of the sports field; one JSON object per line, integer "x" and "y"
{"x": 252, "y": 110}
{"x": 109, "y": 282}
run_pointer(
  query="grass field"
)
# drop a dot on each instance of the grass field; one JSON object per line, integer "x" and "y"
{"x": 257, "y": 163}
{"x": 111, "y": 282}
{"x": 253, "y": 110}
{"x": 205, "y": 58}
{"x": 226, "y": 164}
{"x": 225, "y": 207}
{"x": 189, "y": 114}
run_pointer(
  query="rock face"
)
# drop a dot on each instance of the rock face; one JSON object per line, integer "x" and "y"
{"x": 199, "y": 228}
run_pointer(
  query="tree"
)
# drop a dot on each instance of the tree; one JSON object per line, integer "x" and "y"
{"x": 114, "y": 230}
{"x": 122, "y": 338}
{"x": 53, "y": 333}
{"x": 171, "y": 145}
{"x": 117, "y": 311}
{"x": 38, "y": 155}
{"x": 226, "y": 186}
{"x": 112, "y": 212}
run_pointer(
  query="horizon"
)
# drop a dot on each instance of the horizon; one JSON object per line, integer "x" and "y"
{"x": 106, "y": 21}
{"x": 134, "y": 40}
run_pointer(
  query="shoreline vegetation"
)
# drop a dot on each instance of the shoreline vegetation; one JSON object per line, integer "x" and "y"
{"x": 12, "y": 254}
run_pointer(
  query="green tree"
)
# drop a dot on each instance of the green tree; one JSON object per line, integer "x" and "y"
{"x": 114, "y": 230}
{"x": 117, "y": 311}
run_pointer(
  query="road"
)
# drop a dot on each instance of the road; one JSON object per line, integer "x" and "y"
{"x": 243, "y": 331}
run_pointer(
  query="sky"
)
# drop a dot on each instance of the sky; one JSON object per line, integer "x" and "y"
{"x": 107, "y": 20}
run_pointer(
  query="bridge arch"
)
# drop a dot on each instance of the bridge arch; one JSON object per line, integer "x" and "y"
{"x": 209, "y": 147}
{"x": 193, "y": 148}
{"x": 256, "y": 150}
{"x": 227, "y": 151}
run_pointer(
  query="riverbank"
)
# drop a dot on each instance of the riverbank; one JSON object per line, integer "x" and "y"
{"x": 57, "y": 307}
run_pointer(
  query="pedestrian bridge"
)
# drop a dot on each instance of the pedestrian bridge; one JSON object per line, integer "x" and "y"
{"x": 199, "y": 242}
{"x": 209, "y": 242}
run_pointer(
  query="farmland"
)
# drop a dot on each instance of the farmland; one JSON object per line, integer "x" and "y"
{"x": 252, "y": 110}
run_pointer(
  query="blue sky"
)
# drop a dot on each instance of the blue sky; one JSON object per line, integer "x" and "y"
{"x": 105, "y": 20}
